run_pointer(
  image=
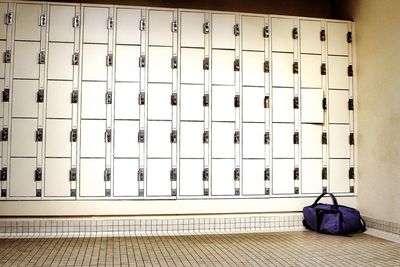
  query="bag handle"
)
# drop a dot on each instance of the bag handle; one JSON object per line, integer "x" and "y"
{"x": 335, "y": 203}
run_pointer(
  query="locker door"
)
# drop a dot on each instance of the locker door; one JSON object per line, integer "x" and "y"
{"x": 281, "y": 33}
{"x": 253, "y": 140}
{"x": 252, "y": 33}
{"x": 160, "y": 27}
{"x": 338, "y": 106}
{"x": 192, "y": 65}
{"x": 222, "y": 103}
{"x": 3, "y": 26}
{"x": 222, "y": 67}
{"x": 253, "y": 68}
{"x": 191, "y": 136}
{"x": 127, "y": 26}
{"x": 60, "y": 65}
{"x": 160, "y": 64}
{"x": 23, "y": 142}
{"x": 126, "y": 141}
{"x": 339, "y": 176}
{"x": 2, "y": 50}
{"x": 253, "y": 177}
{"x": 95, "y": 25}
{"x": 191, "y": 102}
{"x": 282, "y": 105}
{"x": 126, "y": 61}
{"x": 24, "y": 93}
{"x": 282, "y": 176}
{"x": 27, "y": 22}
{"x": 311, "y": 106}
{"x": 192, "y": 29}
{"x": 282, "y": 140}
{"x": 26, "y": 60}
{"x": 126, "y": 103}
{"x": 93, "y": 105}
{"x": 59, "y": 99}
{"x": 253, "y": 104}
{"x": 191, "y": 177}
{"x": 22, "y": 177}
{"x": 311, "y": 145}
{"x": 125, "y": 177}
{"x": 310, "y": 41}
{"x": 311, "y": 176}
{"x": 222, "y": 182}
{"x": 222, "y": 140}
{"x": 56, "y": 181}
{"x": 310, "y": 69}
{"x": 337, "y": 38}
{"x": 158, "y": 177}
{"x": 339, "y": 141}
{"x": 337, "y": 72}
{"x": 93, "y": 138}
{"x": 94, "y": 62}
{"x": 282, "y": 69}
{"x": 91, "y": 180}
{"x": 222, "y": 31}
{"x": 158, "y": 139}
{"x": 159, "y": 102}
{"x": 58, "y": 142}
{"x": 60, "y": 26}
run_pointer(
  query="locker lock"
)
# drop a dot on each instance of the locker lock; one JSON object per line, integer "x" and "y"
{"x": 351, "y": 173}
{"x": 109, "y": 60}
{"x": 8, "y": 19}
{"x": 206, "y": 27}
{"x": 205, "y": 137}
{"x": 42, "y": 57}
{"x": 236, "y": 137}
{"x": 72, "y": 193}
{"x": 173, "y": 174}
{"x": 266, "y": 174}
{"x": 324, "y": 189}
{"x": 142, "y": 61}
{"x": 296, "y": 68}
{"x": 236, "y": 65}
{"x": 174, "y": 99}
{"x": 351, "y": 104}
{"x": 266, "y": 66}
{"x": 206, "y": 191}
{"x": 108, "y": 192}
{"x": 38, "y": 192}
{"x": 74, "y": 97}
{"x": 142, "y": 24}
{"x": 141, "y": 136}
{"x": 324, "y": 138}
{"x": 173, "y": 136}
{"x": 296, "y": 190}
{"x": 7, "y": 56}
{"x": 205, "y": 174}
{"x": 236, "y": 101}
{"x": 75, "y": 59}
{"x": 351, "y": 189}
{"x": 266, "y": 138}
{"x": 267, "y": 191}
{"x": 296, "y": 102}
{"x": 73, "y": 135}
{"x": 236, "y": 29}
{"x": 295, "y": 33}
{"x": 322, "y": 35}
{"x": 351, "y": 139}
{"x": 323, "y": 69}
{"x": 296, "y": 138}
{"x": 236, "y": 174}
{"x": 237, "y": 191}
{"x": 76, "y": 22}
{"x": 296, "y": 173}
{"x": 350, "y": 70}
{"x": 6, "y": 95}
{"x": 324, "y": 104}
{"x": 3, "y": 174}
{"x": 110, "y": 23}
{"x": 266, "y": 31}
{"x": 349, "y": 37}
{"x": 141, "y": 98}
{"x": 38, "y": 174}
{"x": 174, "y": 26}
{"x": 3, "y": 192}
{"x": 174, "y": 62}
{"x": 108, "y": 136}
{"x": 107, "y": 175}
{"x": 266, "y": 101}
{"x": 140, "y": 174}
{"x": 42, "y": 20}
{"x": 173, "y": 192}
{"x": 324, "y": 173}
{"x": 109, "y": 97}
{"x": 141, "y": 192}
{"x": 206, "y": 100}
{"x": 39, "y": 135}
{"x": 206, "y": 63}
{"x": 72, "y": 174}
{"x": 40, "y": 96}
{"x": 4, "y": 134}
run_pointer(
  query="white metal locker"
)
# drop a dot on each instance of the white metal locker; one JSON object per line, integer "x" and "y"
{"x": 191, "y": 140}
{"x": 253, "y": 104}
{"x": 125, "y": 177}
{"x": 192, "y": 65}
{"x": 56, "y": 177}
{"x": 338, "y": 106}
{"x": 95, "y": 25}
{"x": 24, "y": 94}
{"x": 159, "y": 68}
{"x": 125, "y": 139}
{"x": 282, "y": 140}
{"x": 311, "y": 106}
{"x": 3, "y": 26}
{"x": 281, "y": 34}
{"x": 222, "y": 180}
{"x": 337, "y": 72}
{"x": 222, "y": 103}
{"x": 126, "y": 63}
{"x": 310, "y": 40}
{"x": 252, "y": 33}
{"x": 58, "y": 143}
{"x": 160, "y": 27}
{"x": 126, "y": 101}
{"x": 2, "y": 65}
{"x": 60, "y": 23}
{"x": 158, "y": 139}
{"x": 339, "y": 146}
{"x": 127, "y": 26}
{"x": 222, "y": 67}
{"x": 26, "y": 56}
{"x": 94, "y": 62}
{"x": 253, "y": 140}
{"x": 222, "y": 31}
{"x": 191, "y": 102}
{"x": 311, "y": 176}
{"x": 91, "y": 182}
{"x": 22, "y": 177}
{"x": 60, "y": 61}
{"x": 311, "y": 141}
{"x": 339, "y": 175}
{"x": 282, "y": 105}
{"x": 159, "y": 102}
{"x": 192, "y": 29}
{"x": 27, "y": 22}
{"x": 158, "y": 177}
{"x": 253, "y": 177}
{"x": 59, "y": 99}
{"x": 282, "y": 70}
{"x": 23, "y": 143}
{"x": 337, "y": 38}
{"x": 253, "y": 68}
{"x": 93, "y": 138}
{"x": 282, "y": 176}
{"x": 93, "y": 103}
{"x": 310, "y": 69}
{"x": 191, "y": 177}
{"x": 222, "y": 140}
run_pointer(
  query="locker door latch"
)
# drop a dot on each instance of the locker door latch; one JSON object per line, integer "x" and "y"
{"x": 141, "y": 98}
{"x": 109, "y": 60}
{"x": 236, "y": 101}
{"x": 350, "y": 70}
{"x": 108, "y": 136}
{"x": 206, "y": 137}
{"x": 75, "y": 59}
{"x": 140, "y": 174}
{"x": 296, "y": 67}
{"x": 6, "y": 95}
{"x": 206, "y": 63}
{"x": 74, "y": 97}
{"x": 295, "y": 33}
{"x": 296, "y": 102}
{"x": 7, "y": 56}
{"x": 76, "y": 22}
{"x": 174, "y": 62}
{"x": 173, "y": 136}
{"x": 38, "y": 174}
{"x": 296, "y": 190}
{"x": 296, "y": 138}
{"x": 266, "y": 101}
{"x": 205, "y": 174}
{"x": 39, "y": 135}
{"x": 206, "y": 191}
{"x": 324, "y": 173}
{"x": 109, "y": 97}
{"x": 351, "y": 173}
{"x": 3, "y": 174}
{"x": 323, "y": 69}
{"x": 141, "y": 136}
{"x": 42, "y": 20}
{"x": 266, "y": 66}
{"x": 236, "y": 65}
{"x": 40, "y": 96}
{"x": 4, "y": 134}
{"x": 266, "y": 138}
{"x": 8, "y": 19}
{"x": 236, "y": 29}
{"x": 236, "y": 137}
{"x": 322, "y": 35}
{"x": 206, "y": 100}
{"x": 42, "y": 57}
{"x": 38, "y": 192}
{"x": 351, "y": 189}
{"x": 296, "y": 173}
{"x": 351, "y": 139}
{"x": 324, "y": 104}
{"x": 266, "y": 31}
{"x": 110, "y": 23}
{"x": 108, "y": 192}
{"x": 174, "y": 26}
{"x": 73, "y": 135}
{"x": 349, "y": 37}
{"x": 236, "y": 174}
{"x": 72, "y": 193}
{"x": 174, "y": 99}
{"x": 173, "y": 174}
{"x": 107, "y": 175}
{"x": 142, "y": 24}
{"x": 206, "y": 27}
{"x": 72, "y": 174}
{"x": 324, "y": 138}
{"x": 266, "y": 174}
{"x": 351, "y": 104}
{"x": 142, "y": 61}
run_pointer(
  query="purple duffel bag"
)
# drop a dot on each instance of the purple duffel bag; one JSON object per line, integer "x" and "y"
{"x": 332, "y": 219}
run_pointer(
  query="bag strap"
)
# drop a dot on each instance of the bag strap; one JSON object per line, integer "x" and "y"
{"x": 363, "y": 225}
{"x": 335, "y": 203}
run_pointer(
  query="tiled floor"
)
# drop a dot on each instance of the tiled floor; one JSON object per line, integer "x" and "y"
{"x": 258, "y": 249}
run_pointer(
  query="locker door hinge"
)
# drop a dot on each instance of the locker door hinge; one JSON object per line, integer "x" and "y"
{"x": 174, "y": 99}
{"x": 324, "y": 103}
{"x": 295, "y": 33}
{"x": 205, "y": 174}
{"x": 351, "y": 104}
{"x": 140, "y": 174}
{"x": 141, "y": 192}
{"x": 142, "y": 24}
{"x": 3, "y": 174}
{"x": 74, "y": 97}
{"x": 42, "y": 57}
{"x": 7, "y": 56}
{"x": 107, "y": 174}
{"x": 109, "y": 59}
{"x": 206, "y": 192}
{"x": 4, "y": 134}
{"x": 266, "y": 66}
{"x": 206, "y": 27}
{"x": 236, "y": 29}
{"x": 206, "y": 63}
{"x": 351, "y": 173}
{"x": 38, "y": 174}
{"x": 108, "y": 192}
{"x": 266, "y": 31}
{"x": 38, "y": 192}
{"x": 322, "y": 35}
{"x": 173, "y": 174}
{"x": 324, "y": 138}
{"x": 72, "y": 174}
{"x": 351, "y": 189}
{"x": 6, "y": 95}
{"x": 267, "y": 191}
{"x": 351, "y": 139}
{"x": 39, "y": 135}
{"x": 40, "y": 96}
{"x": 174, "y": 26}
{"x": 206, "y": 137}
{"x": 72, "y": 193}
{"x": 173, "y": 136}
{"x": 76, "y": 22}
{"x": 349, "y": 37}
{"x": 174, "y": 62}
{"x": 296, "y": 173}
{"x": 296, "y": 190}
{"x": 141, "y": 98}
{"x": 142, "y": 61}
{"x": 206, "y": 100}
{"x": 110, "y": 23}
{"x": 236, "y": 174}
{"x": 43, "y": 20}
{"x": 296, "y": 102}
{"x": 323, "y": 69}
{"x": 108, "y": 136}
{"x": 350, "y": 70}
{"x": 324, "y": 173}
{"x": 3, "y": 192}
{"x": 236, "y": 101}
{"x": 266, "y": 101}
{"x": 266, "y": 174}
{"x": 296, "y": 138}
{"x": 8, "y": 18}
{"x": 73, "y": 135}
{"x": 75, "y": 59}
{"x": 109, "y": 97}
{"x": 295, "y": 67}
{"x": 141, "y": 136}
{"x": 266, "y": 138}
{"x": 236, "y": 65}
{"x": 236, "y": 137}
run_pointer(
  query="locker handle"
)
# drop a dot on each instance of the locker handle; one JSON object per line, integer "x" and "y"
{"x": 206, "y": 27}
{"x": 142, "y": 61}
{"x": 351, "y": 104}
{"x": 351, "y": 139}
{"x": 206, "y": 63}
{"x": 266, "y": 138}
{"x": 324, "y": 173}
{"x": 351, "y": 173}
{"x": 142, "y": 24}
{"x": 40, "y": 96}
{"x": 324, "y": 138}
{"x": 39, "y": 135}
{"x": 296, "y": 68}
{"x": 42, "y": 57}
{"x": 75, "y": 59}
{"x": 323, "y": 69}
{"x": 295, "y": 33}
{"x": 236, "y": 102}
{"x": 76, "y": 22}
{"x": 174, "y": 99}
{"x": 205, "y": 174}
{"x": 42, "y": 20}
{"x": 173, "y": 136}
{"x": 110, "y": 23}
{"x": 174, "y": 26}
{"x": 38, "y": 174}
{"x": 205, "y": 137}
{"x": 296, "y": 173}
{"x": 3, "y": 192}
{"x": 174, "y": 62}
{"x": 140, "y": 174}
{"x": 6, "y": 95}
{"x": 236, "y": 65}
{"x": 236, "y": 174}
{"x": 236, "y": 137}
{"x": 350, "y": 71}
{"x": 141, "y": 136}
{"x": 109, "y": 60}
{"x": 349, "y": 37}
{"x": 3, "y": 174}
{"x": 108, "y": 136}
{"x": 266, "y": 174}
{"x": 322, "y": 35}
{"x": 4, "y": 134}
{"x": 266, "y": 66}
{"x": 72, "y": 174}
{"x": 7, "y": 56}
{"x": 296, "y": 138}
{"x": 206, "y": 100}
{"x": 141, "y": 98}
{"x": 296, "y": 102}
{"x": 74, "y": 97}
{"x": 73, "y": 135}
{"x": 266, "y": 101}
{"x": 9, "y": 18}
{"x": 266, "y": 31}
{"x": 236, "y": 29}
{"x": 107, "y": 175}
{"x": 173, "y": 174}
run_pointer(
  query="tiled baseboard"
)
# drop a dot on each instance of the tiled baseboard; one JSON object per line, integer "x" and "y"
{"x": 381, "y": 225}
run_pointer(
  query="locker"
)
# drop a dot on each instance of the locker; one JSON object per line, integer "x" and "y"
{"x": 252, "y": 33}
{"x": 56, "y": 178}
{"x": 94, "y": 62}
{"x": 191, "y": 177}
{"x": 338, "y": 106}
{"x": 192, "y": 65}
{"x": 192, "y": 29}
{"x": 282, "y": 105}
{"x": 2, "y": 50}
{"x": 191, "y": 102}
{"x": 23, "y": 143}
{"x": 337, "y": 38}
{"x": 310, "y": 41}
{"x": 339, "y": 175}
{"x": 125, "y": 177}
{"x": 59, "y": 99}
{"x": 26, "y": 60}
{"x": 158, "y": 177}
{"x": 339, "y": 141}
{"x": 311, "y": 176}
{"x": 282, "y": 140}
{"x": 222, "y": 182}
{"x": 282, "y": 70}
{"x": 253, "y": 104}
{"x": 311, "y": 144}
{"x": 95, "y": 25}
{"x": 127, "y": 26}
{"x": 93, "y": 105}
{"x": 337, "y": 72}
{"x": 126, "y": 61}
{"x": 126, "y": 141}
{"x": 60, "y": 26}
{"x": 160, "y": 64}
{"x": 281, "y": 33}
{"x": 222, "y": 103}
{"x": 58, "y": 138}
{"x": 158, "y": 139}
{"x": 222, "y": 140}
{"x": 222, "y": 67}
{"x": 282, "y": 176}
{"x": 91, "y": 180}
{"x": 3, "y": 26}
{"x": 310, "y": 69}
{"x": 24, "y": 93}
{"x": 93, "y": 138}
{"x": 253, "y": 177}
{"x": 126, "y": 103}
{"x": 60, "y": 63}
{"x": 22, "y": 177}
{"x": 222, "y": 31}
{"x": 160, "y": 27}
{"x": 253, "y": 68}
{"x": 27, "y": 22}
{"x": 311, "y": 106}
{"x": 159, "y": 102}
{"x": 253, "y": 140}
{"x": 191, "y": 137}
